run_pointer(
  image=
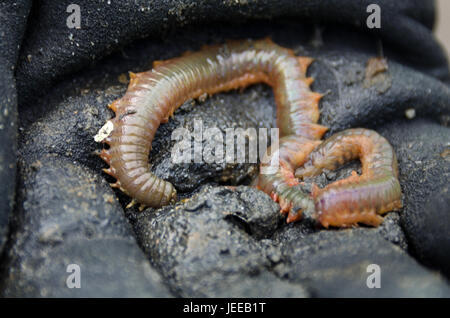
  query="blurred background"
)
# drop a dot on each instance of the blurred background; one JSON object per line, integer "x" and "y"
{"x": 443, "y": 24}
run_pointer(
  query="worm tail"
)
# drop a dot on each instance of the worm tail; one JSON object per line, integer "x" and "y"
{"x": 358, "y": 198}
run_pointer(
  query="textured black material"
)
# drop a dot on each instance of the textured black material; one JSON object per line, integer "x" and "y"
{"x": 13, "y": 16}
{"x": 53, "y": 50}
{"x": 70, "y": 216}
{"x": 217, "y": 241}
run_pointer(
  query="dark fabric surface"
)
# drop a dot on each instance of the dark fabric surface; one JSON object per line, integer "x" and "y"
{"x": 51, "y": 50}
{"x": 65, "y": 78}
{"x": 13, "y": 18}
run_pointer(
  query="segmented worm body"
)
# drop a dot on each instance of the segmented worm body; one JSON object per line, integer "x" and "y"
{"x": 281, "y": 183}
{"x": 358, "y": 198}
{"x": 153, "y": 96}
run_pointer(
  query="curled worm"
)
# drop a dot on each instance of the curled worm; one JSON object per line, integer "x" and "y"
{"x": 358, "y": 198}
{"x": 153, "y": 96}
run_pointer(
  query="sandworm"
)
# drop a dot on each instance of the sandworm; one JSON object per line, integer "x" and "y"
{"x": 153, "y": 96}
{"x": 358, "y": 198}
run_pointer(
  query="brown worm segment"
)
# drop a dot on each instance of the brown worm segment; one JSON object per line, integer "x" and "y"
{"x": 153, "y": 96}
{"x": 358, "y": 198}
{"x": 281, "y": 183}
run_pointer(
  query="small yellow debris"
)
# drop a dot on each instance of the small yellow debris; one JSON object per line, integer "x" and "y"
{"x": 104, "y": 132}
{"x": 410, "y": 113}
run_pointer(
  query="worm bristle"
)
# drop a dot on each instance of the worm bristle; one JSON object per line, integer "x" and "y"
{"x": 115, "y": 185}
{"x": 132, "y": 75}
{"x": 309, "y": 80}
{"x": 294, "y": 215}
{"x": 105, "y": 155}
{"x": 113, "y": 106}
{"x": 109, "y": 171}
{"x": 316, "y": 97}
{"x": 305, "y": 62}
{"x": 132, "y": 203}
{"x": 157, "y": 63}
{"x": 311, "y": 131}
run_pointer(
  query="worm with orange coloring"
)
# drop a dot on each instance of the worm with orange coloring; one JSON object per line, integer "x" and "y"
{"x": 281, "y": 183}
{"x": 153, "y": 96}
{"x": 358, "y": 198}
